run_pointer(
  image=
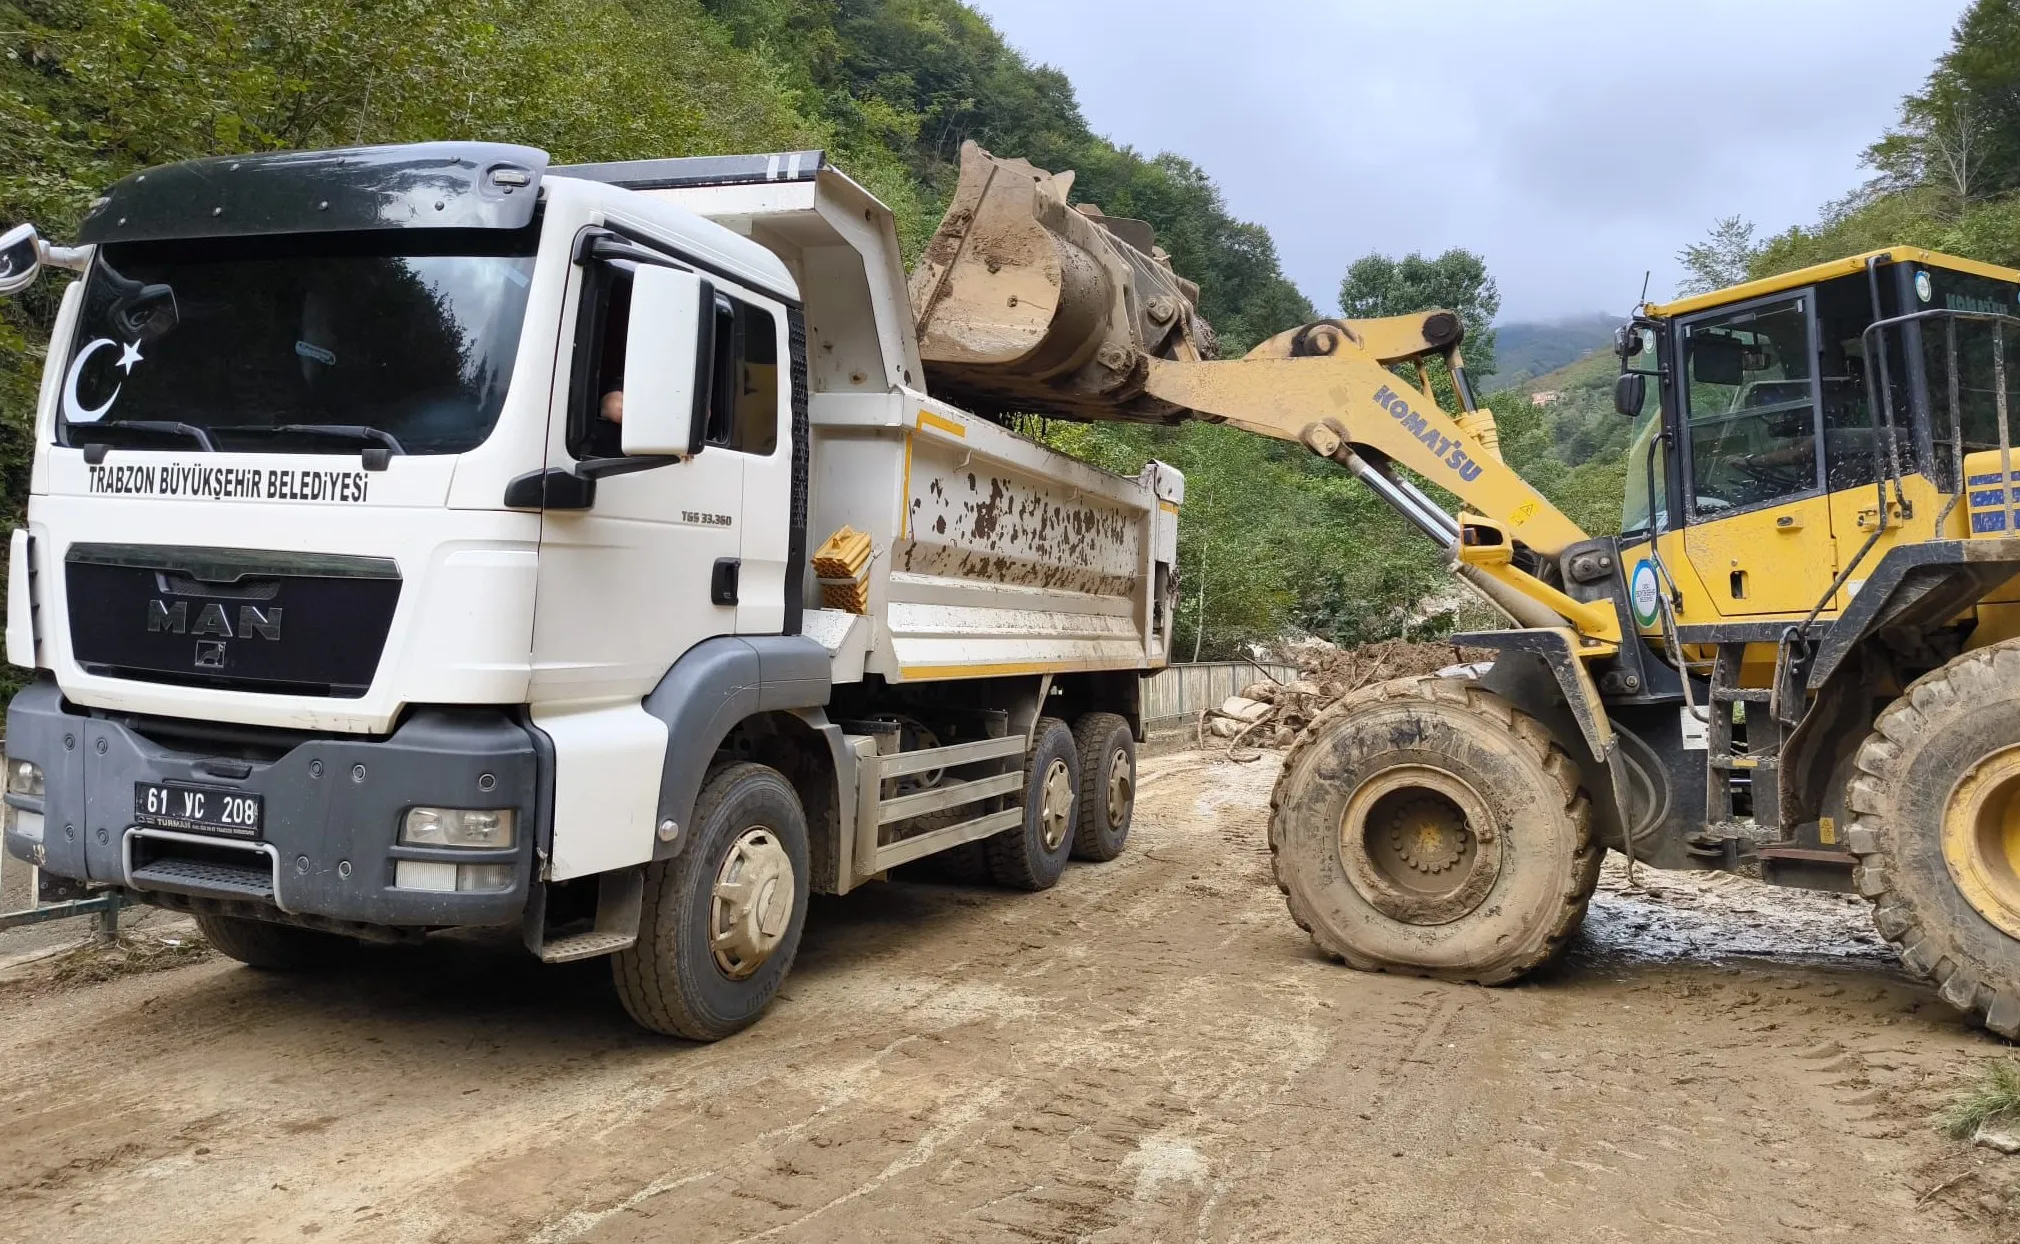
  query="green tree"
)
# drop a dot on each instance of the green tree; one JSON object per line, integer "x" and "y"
{"x": 1721, "y": 259}
{"x": 1457, "y": 281}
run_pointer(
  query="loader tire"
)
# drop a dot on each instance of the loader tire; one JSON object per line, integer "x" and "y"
{"x": 1426, "y": 826}
{"x": 1935, "y": 797}
{"x": 721, "y": 921}
{"x": 1107, "y": 785}
{"x": 273, "y": 947}
{"x": 1031, "y": 856}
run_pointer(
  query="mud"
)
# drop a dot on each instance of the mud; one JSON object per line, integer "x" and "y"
{"x": 1151, "y": 1051}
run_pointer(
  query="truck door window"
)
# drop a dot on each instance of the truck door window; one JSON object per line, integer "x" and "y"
{"x": 602, "y": 337}
{"x": 744, "y": 398}
{"x": 1752, "y": 407}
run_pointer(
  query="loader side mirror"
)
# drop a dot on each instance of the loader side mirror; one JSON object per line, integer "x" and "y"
{"x": 20, "y": 258}
{"x": 1630, "y": 390}
{"x": 668, "y": 362}
{"x": 1626, "y": 342}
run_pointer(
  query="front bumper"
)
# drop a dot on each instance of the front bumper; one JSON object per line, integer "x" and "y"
{"x": 333, "y": 809}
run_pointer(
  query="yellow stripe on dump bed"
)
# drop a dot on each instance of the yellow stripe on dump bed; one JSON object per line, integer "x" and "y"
{"x": 927, "y": 419}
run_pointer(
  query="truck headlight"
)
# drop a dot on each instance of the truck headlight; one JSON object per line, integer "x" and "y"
{"x": 24, "y": 777}
{"x": 458, "y": 827}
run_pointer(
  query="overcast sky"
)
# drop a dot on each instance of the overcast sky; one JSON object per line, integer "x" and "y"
{"x": 1573, "y": 143}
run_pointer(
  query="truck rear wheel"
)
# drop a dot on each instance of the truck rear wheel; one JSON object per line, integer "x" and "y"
{"x": 721, "y": 921}
{"x": 1936, "y": 794}
{"x": 1031, "y": 856}
{"x": 1426, "y": 826}
{"x": 1107, "y": 785}
{"x": 274, "y": 947}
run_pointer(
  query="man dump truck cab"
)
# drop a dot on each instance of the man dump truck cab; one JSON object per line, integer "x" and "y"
{"x": 425, "y": 536}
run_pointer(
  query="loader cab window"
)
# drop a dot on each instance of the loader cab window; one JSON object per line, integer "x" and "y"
{"x": 1750, "y": 396}
{"x": 1852, "y": 441}
{"x": 1645, "y": 511}
{"x": 1979, "y": 341}
{"x": 1644, "y": 515}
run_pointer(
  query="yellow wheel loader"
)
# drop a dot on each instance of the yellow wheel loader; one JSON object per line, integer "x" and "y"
{"x": 1801, "y": 653}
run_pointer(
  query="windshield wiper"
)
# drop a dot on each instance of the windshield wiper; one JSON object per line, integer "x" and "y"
{"x": 152, "y": 427}
{"x": 335, "y": 431}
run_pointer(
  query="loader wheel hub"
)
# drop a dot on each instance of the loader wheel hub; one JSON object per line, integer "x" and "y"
{"x": 1981, "y": 838}
{"x": 1418, "y": 844}
{"x": 1429, "y": 834}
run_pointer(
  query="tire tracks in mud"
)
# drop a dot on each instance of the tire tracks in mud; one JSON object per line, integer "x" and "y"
{"x": 1150, "y": 1051}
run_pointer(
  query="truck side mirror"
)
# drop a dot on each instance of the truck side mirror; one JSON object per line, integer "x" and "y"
{"x": 20, "y": 258}
{"x": 669, "y": 357}
{"x": 1630, "y": 390}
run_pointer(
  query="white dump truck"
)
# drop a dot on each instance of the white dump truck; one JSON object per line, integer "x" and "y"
{"x": 425, "y": 537}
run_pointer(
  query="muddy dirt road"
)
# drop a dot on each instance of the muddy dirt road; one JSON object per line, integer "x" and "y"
{"x": 1152, "y": 1051}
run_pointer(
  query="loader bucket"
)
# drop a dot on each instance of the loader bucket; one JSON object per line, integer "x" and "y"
{"x": 1025, "y": 303}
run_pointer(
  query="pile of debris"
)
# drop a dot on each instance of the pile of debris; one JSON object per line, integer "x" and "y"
{"x": 1271, "y": 713}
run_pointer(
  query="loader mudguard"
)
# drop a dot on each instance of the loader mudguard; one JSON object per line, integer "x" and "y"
{"x": 1570, "y": 684}
{"x": 1538, "y": 671}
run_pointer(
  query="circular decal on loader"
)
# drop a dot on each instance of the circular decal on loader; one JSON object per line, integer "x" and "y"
{"x": 1644, "y": 593}
{"x": 1923, "y": 290}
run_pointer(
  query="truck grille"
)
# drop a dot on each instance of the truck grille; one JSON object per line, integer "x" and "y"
{"x": 240, "y": 619}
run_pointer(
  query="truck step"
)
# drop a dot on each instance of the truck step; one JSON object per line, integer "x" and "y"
{"x": 586, "y": 946}
{"x": 208, "y": 878}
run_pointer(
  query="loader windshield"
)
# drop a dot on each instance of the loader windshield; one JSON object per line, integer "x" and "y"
{"x": 298, "y": 344}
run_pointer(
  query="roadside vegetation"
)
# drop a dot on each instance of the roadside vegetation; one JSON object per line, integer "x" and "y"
{"x": 1272, "y": 541}
{"x": 1992, "y": 1101}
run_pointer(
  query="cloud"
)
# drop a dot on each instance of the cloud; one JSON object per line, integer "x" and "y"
{"x": 1574, "y": 143}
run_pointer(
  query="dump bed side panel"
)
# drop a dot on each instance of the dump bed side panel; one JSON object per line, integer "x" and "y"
{"x": 994, "y": 555}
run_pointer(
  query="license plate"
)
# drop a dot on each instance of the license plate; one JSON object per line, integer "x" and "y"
{"x": 198, "y": 809}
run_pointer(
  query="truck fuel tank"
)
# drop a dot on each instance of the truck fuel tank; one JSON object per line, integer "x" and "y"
{"x": 1026, "y": 303}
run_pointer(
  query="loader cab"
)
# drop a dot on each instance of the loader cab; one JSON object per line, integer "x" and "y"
{"x": 1793, "y": 428}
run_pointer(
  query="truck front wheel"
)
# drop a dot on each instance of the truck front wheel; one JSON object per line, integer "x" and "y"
{"x": 721, "y": 921}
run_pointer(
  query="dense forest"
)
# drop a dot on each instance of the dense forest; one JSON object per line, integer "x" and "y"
{"x": 1272, "y": 540}
{"x": 93, "y": 89}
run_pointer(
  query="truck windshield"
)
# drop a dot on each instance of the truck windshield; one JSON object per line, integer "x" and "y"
{"x": 322, "y": 344}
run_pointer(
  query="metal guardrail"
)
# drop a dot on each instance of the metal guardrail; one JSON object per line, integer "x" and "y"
{"x": 1177, "y": 693}
{"x": 104, "y": 906}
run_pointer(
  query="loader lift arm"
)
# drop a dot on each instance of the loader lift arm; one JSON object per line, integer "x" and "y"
{"x": 1330, "y": 387}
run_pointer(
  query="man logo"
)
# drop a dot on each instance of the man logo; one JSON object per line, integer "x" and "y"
{"x": 173, "y": 619}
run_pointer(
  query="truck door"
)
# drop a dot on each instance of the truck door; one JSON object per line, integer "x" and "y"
{"x": 670, "y": 555}
{"x": 1758, "y": 529}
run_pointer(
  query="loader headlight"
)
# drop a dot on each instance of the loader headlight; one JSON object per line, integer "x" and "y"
{"x": 458, "y": 827}
{"x": 24, "y": 777}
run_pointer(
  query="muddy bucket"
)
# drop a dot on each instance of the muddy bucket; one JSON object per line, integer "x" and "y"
{"x": 1026, "y": 303}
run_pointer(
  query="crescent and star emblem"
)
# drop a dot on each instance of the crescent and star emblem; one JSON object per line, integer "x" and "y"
{"x": 74, "y": 410}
